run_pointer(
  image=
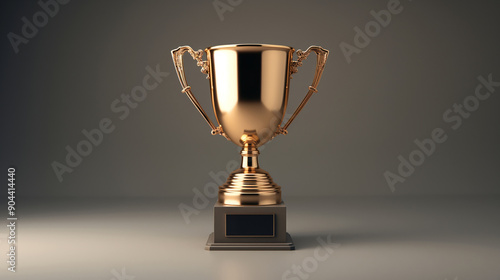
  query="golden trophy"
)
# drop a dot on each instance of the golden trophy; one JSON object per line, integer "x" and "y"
{"x": 249, "y": 87}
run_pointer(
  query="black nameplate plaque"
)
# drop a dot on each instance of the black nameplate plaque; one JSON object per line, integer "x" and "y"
{"x": 250, "y": 225}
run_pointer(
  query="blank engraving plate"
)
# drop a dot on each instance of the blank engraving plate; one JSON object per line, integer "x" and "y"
{"x": 245, "y": 225}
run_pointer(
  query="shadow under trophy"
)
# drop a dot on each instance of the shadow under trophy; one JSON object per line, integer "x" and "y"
{"x": 249, "y": 85}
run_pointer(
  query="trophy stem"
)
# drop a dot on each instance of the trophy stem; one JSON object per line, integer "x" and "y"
{"x": 249, "y": 157}
{"x": 249, "y": 185}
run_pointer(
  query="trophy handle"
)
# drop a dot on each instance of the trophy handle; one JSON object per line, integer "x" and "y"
{"x": 197, "y": 55}
{"x": 322, "y": 55}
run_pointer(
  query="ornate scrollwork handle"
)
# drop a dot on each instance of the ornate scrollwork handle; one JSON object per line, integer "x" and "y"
{"x": 179, "y": 67}
{"x": 322, "y": 55}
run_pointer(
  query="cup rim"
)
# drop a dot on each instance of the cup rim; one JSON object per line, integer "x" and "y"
{"x": 266, "y": 46}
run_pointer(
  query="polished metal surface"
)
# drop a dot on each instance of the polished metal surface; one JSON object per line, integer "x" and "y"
{"x": 249, "y": 185}
{"x": 249, "y": 85}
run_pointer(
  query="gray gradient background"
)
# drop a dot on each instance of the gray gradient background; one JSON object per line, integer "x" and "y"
{"x": 365, "y": 114}
{"x": 119, "y": 208}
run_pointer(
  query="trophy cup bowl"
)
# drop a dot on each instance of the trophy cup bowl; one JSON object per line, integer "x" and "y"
{"x": 249, "y": 86}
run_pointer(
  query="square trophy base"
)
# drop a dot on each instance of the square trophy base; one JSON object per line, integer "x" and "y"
{"x": 249, "y": 227}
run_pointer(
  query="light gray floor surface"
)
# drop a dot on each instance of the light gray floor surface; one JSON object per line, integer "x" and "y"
{"x": 424, "y": 238}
